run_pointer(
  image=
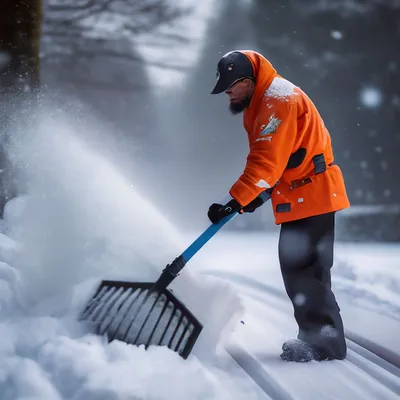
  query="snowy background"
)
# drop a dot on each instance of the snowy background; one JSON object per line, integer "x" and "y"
{"x": 117, "y": 166}
{"x": 148, "y": 70}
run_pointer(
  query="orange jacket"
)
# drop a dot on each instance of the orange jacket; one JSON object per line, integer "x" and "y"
{"x": 290, "y": 148}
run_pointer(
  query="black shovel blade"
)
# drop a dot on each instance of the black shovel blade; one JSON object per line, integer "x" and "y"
{"x": 138, "y": 314}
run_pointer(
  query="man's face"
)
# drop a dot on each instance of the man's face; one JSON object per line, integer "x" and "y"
{"x": 240, "y": 95}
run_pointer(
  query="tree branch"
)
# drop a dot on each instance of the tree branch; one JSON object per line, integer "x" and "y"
{"x": 77, "y": 31}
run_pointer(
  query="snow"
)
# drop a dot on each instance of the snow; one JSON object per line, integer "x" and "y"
{"x": 5, "y": 58}
{"x": 371, "y": 210}
{"x": 46, "y": 354}
{"x": 300, "y": 299}
{"x": 365, "y": 278}
{"x": 396, "y": 101}
{"x": 371, "y": 273}
{"x": 371, "y": 97}
{"x": 80, "y": 221}
{"x": 280, "y": 88}
{"x": 252, "y": 266}
{"x": 50, "y": 363}
{"x": 337, "y": 35}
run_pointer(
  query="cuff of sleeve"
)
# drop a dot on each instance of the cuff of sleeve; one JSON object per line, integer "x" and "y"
{"x": 243, "y": 193}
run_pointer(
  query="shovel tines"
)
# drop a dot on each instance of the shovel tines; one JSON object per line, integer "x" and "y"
{"x": 136, "y": 314}
{"x": 148, "y": 314}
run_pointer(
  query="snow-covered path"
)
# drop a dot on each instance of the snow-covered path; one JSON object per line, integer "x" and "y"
{"x": 355, "y": 378}
{"x": 251, "y": 265}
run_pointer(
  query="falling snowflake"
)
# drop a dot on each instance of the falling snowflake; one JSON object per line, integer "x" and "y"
{"x": 359, "y": 193}
{"x": 371, "y": 97}
{"x": 299, "y": 299}
{"x": 337, "y": 35}
{"x": 396, "y": 101}
{"x": 387, "y": 192}
{"x": 5, "y": 58}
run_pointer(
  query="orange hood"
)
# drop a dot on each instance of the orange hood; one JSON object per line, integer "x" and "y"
{"x": 263, "y": 70}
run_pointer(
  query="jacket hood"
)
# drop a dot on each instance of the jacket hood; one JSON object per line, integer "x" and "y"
{"x": 264, "y": 72}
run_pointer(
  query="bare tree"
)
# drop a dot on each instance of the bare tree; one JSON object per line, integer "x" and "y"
{"x": 87, "y": 29}
{"x": 20, "y": 22}
{"x": 19, "y": 44}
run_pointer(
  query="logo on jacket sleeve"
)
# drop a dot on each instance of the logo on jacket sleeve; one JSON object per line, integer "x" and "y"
{"x": 271, "y": 127}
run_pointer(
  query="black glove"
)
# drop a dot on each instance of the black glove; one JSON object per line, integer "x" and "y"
{"x": 258, "y": 201}
{"x": 216, "y": 212}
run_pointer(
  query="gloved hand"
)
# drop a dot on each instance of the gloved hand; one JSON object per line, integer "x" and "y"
{"x": 216, "y": 211}
{"x": 258, "y": 201}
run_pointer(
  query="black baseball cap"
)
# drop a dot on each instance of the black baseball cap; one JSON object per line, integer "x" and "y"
{"x": 232, "y": 67}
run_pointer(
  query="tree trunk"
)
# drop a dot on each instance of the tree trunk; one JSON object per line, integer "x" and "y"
{"x": 20, "y": 22}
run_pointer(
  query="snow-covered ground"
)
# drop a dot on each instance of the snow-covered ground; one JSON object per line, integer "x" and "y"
{"x": 365, "y": 280}
{"x": 80, "y": 221}
{"x": 46, "y": 354}
{"x": 366, "y": 277}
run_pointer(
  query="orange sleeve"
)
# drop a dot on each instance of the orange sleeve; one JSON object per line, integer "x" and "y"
{"x": 270, "y": 149}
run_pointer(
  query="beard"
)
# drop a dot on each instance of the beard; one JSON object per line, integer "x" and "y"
{"x": 239, "y": 106}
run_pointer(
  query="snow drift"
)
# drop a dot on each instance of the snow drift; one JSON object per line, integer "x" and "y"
{"x": 80, "y": 221}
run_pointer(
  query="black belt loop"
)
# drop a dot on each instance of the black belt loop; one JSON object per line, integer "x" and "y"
{"x": 319, "y": 164}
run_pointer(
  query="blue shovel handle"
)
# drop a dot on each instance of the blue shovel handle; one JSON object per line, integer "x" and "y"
{"x": 172, "y": 270}
{"x": 205, "y": 237}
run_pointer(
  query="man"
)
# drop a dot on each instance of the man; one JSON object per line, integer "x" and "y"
{"x": 290, "y": 161}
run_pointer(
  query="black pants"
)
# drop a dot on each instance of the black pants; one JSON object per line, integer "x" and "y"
{"x": 306, "y": 258}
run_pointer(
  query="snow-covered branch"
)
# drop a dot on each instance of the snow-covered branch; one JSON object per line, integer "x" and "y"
{"x": 104, "y": 26}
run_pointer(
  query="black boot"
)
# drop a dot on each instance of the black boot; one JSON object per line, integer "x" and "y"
{"x": 298, "y": 351}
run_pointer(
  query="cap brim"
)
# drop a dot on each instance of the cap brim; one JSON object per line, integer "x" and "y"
{"x": 220, "y": 87}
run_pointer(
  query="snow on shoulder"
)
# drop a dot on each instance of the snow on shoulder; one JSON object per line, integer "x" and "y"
{"x": 281, "y": 89}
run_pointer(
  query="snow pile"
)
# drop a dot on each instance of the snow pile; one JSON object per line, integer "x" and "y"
{"x": 50, "y": 359}
{"x": 80, "y": 222}
{"x": 9, "y": 281}
{"x": 83, "y": 221}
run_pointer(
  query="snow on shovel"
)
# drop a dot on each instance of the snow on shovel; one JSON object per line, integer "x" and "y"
{"x": 145, "y": 313}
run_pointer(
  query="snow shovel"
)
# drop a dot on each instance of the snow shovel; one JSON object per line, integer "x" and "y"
{"x": 143, "y": 313}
